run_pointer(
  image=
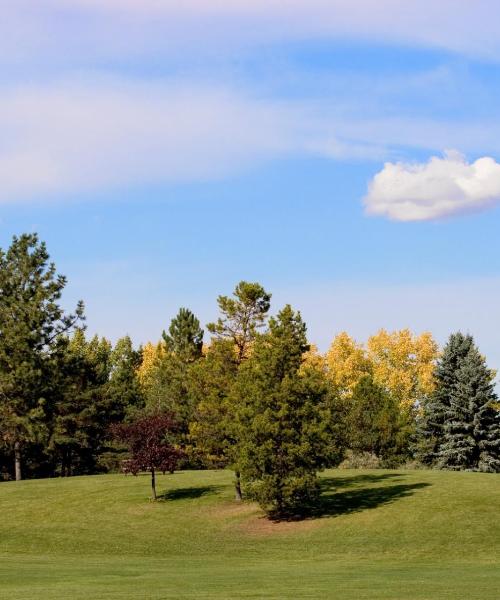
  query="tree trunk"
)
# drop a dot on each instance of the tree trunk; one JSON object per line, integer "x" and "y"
{"x": 17, "y": 460}
{"x": 237, "y": 487}
{"x": 153, "y": 483}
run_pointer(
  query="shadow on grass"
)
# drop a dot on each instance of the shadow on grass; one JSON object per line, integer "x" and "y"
{"x": 334, "y": 503}
{"x": 329, "y": 483}
{"x": 337, "y": 499}
{"x": 189, "y": 493}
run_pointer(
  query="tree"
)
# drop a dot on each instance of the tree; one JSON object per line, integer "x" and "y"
{"x": 123, "y": 390}
{"x": 374, "y": 422}
{"x": 404, "y": 365}
{"x": 80, "y": 409}
{"x": 347, "y": 362}
{"x": 213, "y": 426}
{"x": 471, "y": 431}
{"x": 435, "y": 406}
{"x": 149, "y": 446}
{"x": 31, "y": 321}
{"x": 242, "y": 316}
{"x": 185, "y": 336}
{"x": 282, "y": 419}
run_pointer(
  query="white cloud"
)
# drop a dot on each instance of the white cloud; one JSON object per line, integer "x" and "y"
{"x": 441, "y": 187}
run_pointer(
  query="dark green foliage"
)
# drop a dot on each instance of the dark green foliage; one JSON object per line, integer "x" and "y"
{"x": 185, "y": 336}
{"x": 434, "y": 408}
{"x": 471, "y": 432}
{"x": 31, "y": 321}
{"x": 210, "y": 383}
{"x": 283, "y": 420}
{"x": 242, "y": 316}
{"x": 374, "y": 421}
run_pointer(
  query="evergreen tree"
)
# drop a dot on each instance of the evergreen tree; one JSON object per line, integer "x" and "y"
{"x": 80, "y": 410}
{"x": 435, "y": 406}
{"x": 242, "y": 316}
{"x": 31, "y": 321}
{"x": 213, "y": 427}
{"x": 471, "y": 432}
{"x": 185, "y": 336}
{"x": 124, "y": 391}
{"x": 282, "y": 418}
{"x": 374, "y": 420}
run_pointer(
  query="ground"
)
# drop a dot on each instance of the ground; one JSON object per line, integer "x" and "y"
{"x": 379, "y": 535}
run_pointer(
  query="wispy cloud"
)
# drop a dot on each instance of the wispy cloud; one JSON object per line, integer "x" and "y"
{"x": 67, "y": 137}
{"x": 154, "y": 25}
{"x": 71, "y": 137}
{"x": 442, "y": 187}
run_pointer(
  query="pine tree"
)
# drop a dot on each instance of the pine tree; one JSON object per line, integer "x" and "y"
{"x": 213, "y": 426}
{"x": 31, "y": 321}
{"x": 282, "y": 418}
{"x": 185, "y": 336}
{"x": 435, "y": 406}
{"x": 242, "y": 316}
{"x": 471, "y": 432}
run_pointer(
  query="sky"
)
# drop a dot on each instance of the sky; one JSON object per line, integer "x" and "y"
{"x": 346, "y": 155}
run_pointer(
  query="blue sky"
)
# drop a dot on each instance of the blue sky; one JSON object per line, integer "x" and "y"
{"x": 166, "y": 151}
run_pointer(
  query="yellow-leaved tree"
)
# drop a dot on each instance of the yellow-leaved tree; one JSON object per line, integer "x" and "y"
{"x": 346, "y": 363}
{"x": 152, "y": 355}
{"x": 403, "y": 364}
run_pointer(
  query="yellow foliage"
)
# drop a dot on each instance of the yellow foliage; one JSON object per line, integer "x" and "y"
{"x": 312, "y": 359}
{"x": 346, "y": 362}
{"x": 403, "y": 364}
{"x": 151, "y": 357}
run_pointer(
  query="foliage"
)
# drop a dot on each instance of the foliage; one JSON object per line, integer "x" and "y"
{"x": 213, "y": 429}
{"x": 31, "y": 322}
{"x": 374, "y": 421}
{"x": 471, "y": 431}
{"x": 242, "y": 316}
{"x": 347, "y": 362}
{"x": 185, "y": 336}
{"x": 404, "y": 365}
{"x": 432, "y": 416}
{"x": 283, "y": 420}
{"x": 149, "y": 446}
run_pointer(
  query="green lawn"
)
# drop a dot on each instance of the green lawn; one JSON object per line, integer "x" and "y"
{"x": 382, "y": 534}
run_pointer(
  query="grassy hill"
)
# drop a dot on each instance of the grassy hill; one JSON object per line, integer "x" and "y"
{"x": 381, "y": 534}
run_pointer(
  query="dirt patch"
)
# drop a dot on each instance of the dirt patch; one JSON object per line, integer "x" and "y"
{"x": 261, "y": 526}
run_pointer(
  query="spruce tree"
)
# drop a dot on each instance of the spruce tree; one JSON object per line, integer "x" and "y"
{"x": 434, "y": 407}
{"x": 471, "y": 432}
{"x": 282, "y": 420}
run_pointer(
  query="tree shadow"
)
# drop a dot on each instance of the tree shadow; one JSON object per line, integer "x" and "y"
{"x": 337, "y": 499}
{"x": 330, "y": 483}
{"x": 189, "y": 493}
{"x": 332, "y": 503}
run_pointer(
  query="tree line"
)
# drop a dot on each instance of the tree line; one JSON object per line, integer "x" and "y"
{"x": 257, "y": 397}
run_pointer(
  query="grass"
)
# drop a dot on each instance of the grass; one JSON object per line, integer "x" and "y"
{"x": 377, "y": 535}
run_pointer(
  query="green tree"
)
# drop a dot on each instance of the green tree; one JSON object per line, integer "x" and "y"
{"x": 31, "y": 321}
{"x": 124, "y": 390}
{"x": 80, "y": 409}
{"x": 471, "y": 432}
{"x": 242, "y": 316}
{"x": 185, "y": 336}
{"x": 283, "y": 419}
{"x": 435, "y": 406}
{"x": 213, "y": 427}
{"x": 374, "y": 421}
